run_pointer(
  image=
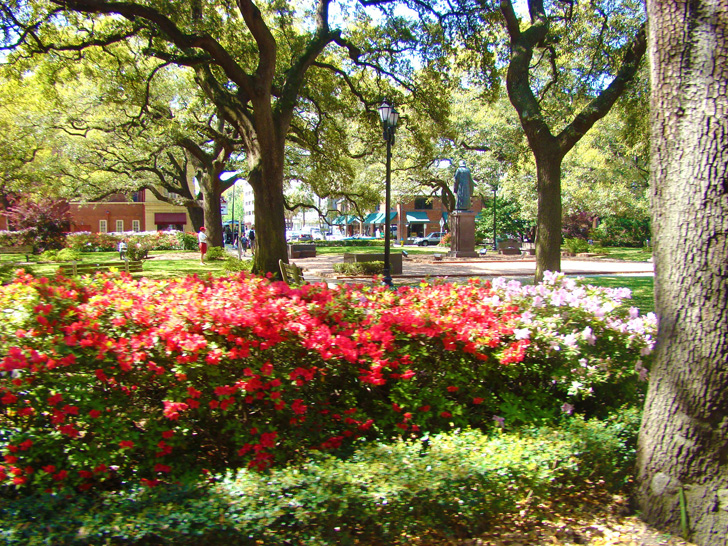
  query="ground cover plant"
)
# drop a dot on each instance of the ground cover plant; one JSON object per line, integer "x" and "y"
{"x": 112, "y": 381}
{"x": 414, "y": 491}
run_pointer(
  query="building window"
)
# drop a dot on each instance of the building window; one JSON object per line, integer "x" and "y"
{"x": 423, "y": 203}
{"x": 119, "y": 226}
{"x": 136, "y": 226}
{"x": 103, "y": 227}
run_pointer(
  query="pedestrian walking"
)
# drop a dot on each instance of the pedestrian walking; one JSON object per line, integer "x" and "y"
{"x": 251, "y": 239}
{"x": 122, "y": 249}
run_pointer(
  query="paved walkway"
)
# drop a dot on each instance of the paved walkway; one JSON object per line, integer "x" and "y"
{"x": 322, "y": 267}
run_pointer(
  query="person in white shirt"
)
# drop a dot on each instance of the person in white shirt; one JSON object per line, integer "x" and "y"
{"x": 202, "y": 239}
{"x": 122, "y": 249}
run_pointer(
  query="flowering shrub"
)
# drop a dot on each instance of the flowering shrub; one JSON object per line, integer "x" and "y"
{"x": 138, "y": 250}
{"x": 85, "y": 241}
{"x": 114, "y": 380}
{"x": 188, "y": 241}
{"x": 20, "y": 237}
{"x": 46, "y": 218}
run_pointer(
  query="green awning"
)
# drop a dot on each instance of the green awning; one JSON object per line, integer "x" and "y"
{"x": 351, "y": 219}
{"x": 372, "y": 218}
{"x": 338, "y": 221}
{"x": 381, "y": 219}
{"x": 417, "y": 217}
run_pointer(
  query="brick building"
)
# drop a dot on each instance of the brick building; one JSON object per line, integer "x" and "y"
{"x": 139, "y": 211}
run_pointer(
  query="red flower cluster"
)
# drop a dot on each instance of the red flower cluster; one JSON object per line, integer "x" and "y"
{"x": 146, "y": 378}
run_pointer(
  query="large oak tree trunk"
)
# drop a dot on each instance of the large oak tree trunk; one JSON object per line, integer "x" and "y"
{"x": 683, "y": 444}
{"x": 270, "y": 220}
{"x": 197, "y": 217}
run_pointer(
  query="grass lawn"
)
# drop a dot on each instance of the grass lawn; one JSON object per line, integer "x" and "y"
{"x": 154, "y": 268}
{"x": 642, "y": 287}
{"x": 628, "y": 254}
{"x": 157, "y": 268}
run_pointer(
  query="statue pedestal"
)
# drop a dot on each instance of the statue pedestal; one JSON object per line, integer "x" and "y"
{"x": 462, "y": 244}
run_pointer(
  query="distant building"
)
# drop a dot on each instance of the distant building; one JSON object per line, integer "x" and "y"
{"x": 409, "y": 219}
{"x": 138, "y": 211}
{"x": 248, "y": 204}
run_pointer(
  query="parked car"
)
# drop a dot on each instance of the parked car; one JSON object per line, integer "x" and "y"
{"x": 302, "y": 238}
{"x": 431, "y": 239}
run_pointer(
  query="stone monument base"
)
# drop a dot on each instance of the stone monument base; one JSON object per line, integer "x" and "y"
{"x": 462, "y": 244}
{"x": 463, "y": 254}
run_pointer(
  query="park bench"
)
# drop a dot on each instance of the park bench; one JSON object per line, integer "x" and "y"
{"x": 509, "y": 247}
{"x": 291, "y": 273}
{"x": 26, "y": 250}
{"x": 528, "y": 249}
{"x": 89, "y": 268}
{"x": 301, "y": 251}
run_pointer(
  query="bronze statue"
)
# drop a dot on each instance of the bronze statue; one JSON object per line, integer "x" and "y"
{"x": 463, "y": 187}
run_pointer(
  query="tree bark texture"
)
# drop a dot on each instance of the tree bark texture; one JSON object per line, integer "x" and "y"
{"x": 683, "y": 443}
{"x": 548, "y": 221}
{"x": 270, "y": 225}
{"x": 211, "y": 193}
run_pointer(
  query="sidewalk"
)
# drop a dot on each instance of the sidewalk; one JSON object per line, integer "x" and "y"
{"x": 322, "y": 267}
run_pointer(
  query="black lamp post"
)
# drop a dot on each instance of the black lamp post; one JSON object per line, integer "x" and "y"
{"x": 389, "y": 117}
{"x": 495, "y": 244}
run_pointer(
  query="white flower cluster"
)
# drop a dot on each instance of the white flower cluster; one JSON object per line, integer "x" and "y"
{"x": 593, "y": 330}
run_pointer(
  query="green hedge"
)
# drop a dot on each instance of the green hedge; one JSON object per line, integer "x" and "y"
{"x": 360, "y": 268}
{"x": 350, "y": 242}
{"x": 442, "y": 486}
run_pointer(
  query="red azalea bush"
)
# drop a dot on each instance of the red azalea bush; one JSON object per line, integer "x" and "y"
{"x": 114, "y": 380}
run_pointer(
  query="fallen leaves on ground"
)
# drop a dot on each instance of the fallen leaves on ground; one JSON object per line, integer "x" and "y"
{"x": 591, "y": 518}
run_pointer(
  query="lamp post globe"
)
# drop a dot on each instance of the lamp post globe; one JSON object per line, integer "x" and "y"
{"x": 389, "y": 118}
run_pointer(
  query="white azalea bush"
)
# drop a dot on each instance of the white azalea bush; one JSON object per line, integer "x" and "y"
{"x": 599, "y": 343}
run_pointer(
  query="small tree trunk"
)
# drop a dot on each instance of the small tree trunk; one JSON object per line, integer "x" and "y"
{"x": 211, "y": 192}
{"x": 683, "y": 445}
{"x": 548, "y": 223}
